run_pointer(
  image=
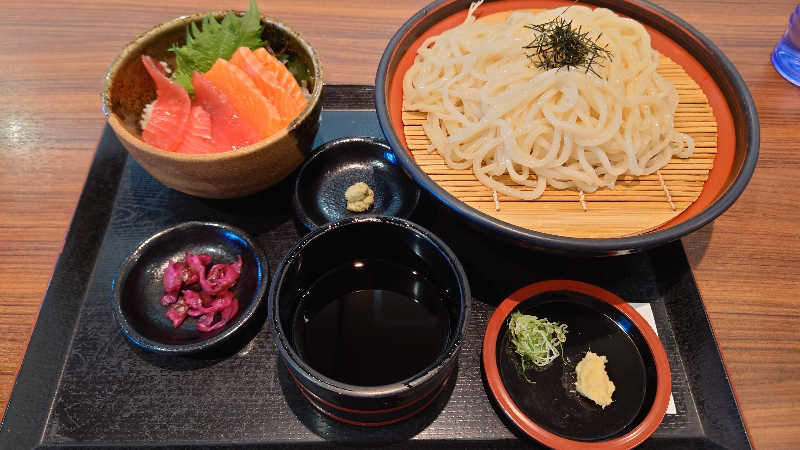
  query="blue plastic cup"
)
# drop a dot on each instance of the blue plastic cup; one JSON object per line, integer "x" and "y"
{"x": 786, "y": 56}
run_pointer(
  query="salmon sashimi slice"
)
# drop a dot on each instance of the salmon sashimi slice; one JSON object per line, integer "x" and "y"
{"x": 243, "y": 94}
{"x": 283, "y": 92}
{"x": 228, "y": 129}
{"x": 283, "y": 77}
{"x": 198, "y": 134}
{"x": 170, "y": 115}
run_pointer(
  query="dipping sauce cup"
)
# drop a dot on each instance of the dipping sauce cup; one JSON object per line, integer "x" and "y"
{"x": 369, "y": 314}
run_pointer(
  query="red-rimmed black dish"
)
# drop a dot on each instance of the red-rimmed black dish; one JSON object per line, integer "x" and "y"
{"x": 334, "y": 166}
{"x": 351, "y": 383}
{"x": 550, "y": 410}
{"x": 137, "y": 290}
{"x": 729, "y": 97}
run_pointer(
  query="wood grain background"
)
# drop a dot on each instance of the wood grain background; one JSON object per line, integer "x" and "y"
{"x": 52, "y": 63}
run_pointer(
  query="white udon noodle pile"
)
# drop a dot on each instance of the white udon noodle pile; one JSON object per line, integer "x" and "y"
{"x": 490, "y": 109}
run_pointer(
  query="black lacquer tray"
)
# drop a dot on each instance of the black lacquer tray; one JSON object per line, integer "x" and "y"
{"x": 83, "y": 384}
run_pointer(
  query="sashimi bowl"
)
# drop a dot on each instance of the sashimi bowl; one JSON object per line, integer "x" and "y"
{"x": 217, "y": 151}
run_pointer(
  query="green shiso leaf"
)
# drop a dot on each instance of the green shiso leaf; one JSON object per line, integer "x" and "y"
{"x": 536, "y": 341}
{"x": 215, "y": 40}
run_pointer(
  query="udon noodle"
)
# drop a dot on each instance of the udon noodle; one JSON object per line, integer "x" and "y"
{"x": 490, "y": 109}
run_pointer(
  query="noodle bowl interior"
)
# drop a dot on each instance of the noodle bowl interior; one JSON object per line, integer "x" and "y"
{"x": 491, "y": 110}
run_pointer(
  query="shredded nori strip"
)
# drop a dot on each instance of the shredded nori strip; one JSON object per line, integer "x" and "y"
{"x": 557, "y": 44}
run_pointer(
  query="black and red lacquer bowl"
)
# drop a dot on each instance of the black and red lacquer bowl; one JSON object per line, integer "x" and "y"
{"x": 339, "y": 243}
{"x": 549, "y": 409}
{"x": 737, "y": 119}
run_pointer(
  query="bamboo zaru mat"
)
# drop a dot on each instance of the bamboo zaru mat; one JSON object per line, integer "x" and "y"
{"x": 636, "y": 204}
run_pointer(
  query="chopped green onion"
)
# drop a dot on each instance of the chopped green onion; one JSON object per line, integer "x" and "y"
{"x": 536, "y": 341}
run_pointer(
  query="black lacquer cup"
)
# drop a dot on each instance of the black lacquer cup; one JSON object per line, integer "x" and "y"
{"x": 324, "y": 251}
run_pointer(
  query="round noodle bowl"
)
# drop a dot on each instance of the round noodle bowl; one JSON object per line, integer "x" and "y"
{"x": 489, "y": 109}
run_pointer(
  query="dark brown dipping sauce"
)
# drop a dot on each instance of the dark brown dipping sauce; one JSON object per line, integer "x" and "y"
{"x": 387, "y": 332}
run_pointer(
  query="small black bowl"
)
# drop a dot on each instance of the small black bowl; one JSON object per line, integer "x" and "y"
{"x": 349, "y": 249}
{"x": 136, "y": 293}
{"x": 336, "y": 165}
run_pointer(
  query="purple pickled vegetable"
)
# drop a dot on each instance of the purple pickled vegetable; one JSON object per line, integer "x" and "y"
{"x": 212, "y": 301}
{"x": 230, "y": 311}
{"x": 189, "y": 276}
{"x": 169, "y": 298}
{"x": 194, "y": 302}
{"x": 173, "y": 277}
{"x": 221, "y": 276}
{"x": 177, "y": 313}
{"x": 197, "y": 265}
{"x": 196, "y": 307}
{"x": 205, "y": 322}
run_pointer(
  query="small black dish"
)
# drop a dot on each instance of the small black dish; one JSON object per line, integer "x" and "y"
{"x": 336, "y": 165}
{"x": 361, "y": 380}
{"x": 136, "y": 293}
{"x": 548, "y": 407}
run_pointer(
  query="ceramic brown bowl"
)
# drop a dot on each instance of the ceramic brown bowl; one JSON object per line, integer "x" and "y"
{"x": 128, "y": 88}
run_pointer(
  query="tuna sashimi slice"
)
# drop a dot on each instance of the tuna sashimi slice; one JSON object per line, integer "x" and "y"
{"x": 243, "y": 94}
{"x": 170, "y": 116}
{"x": 228, "y": 129}
{"x": 276, "y": 88}
{"x": 198, "y": 134}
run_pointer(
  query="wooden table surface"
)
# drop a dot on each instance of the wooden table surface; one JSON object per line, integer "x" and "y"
{"x": 746, "y": 263}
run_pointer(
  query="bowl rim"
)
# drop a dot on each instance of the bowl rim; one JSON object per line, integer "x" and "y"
{"x": 371, "y": 141}
{"x": 631, "y": 439}
{"x": 305, "y": 374}
{"x": 132, "y": 50}
{"x": 545, "y": 241}
{"x": 152, "y": 345}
